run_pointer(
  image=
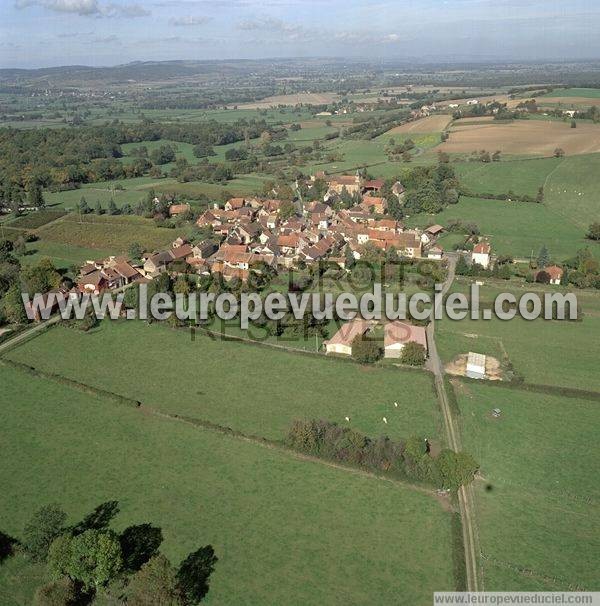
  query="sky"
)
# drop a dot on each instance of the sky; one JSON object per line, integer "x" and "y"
{"x": 43, "y": 33}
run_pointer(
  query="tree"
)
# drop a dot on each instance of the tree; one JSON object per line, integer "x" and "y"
{"x": 573, "y": 124}
{"x": 559, "y": 152}
{"x": 194, "y": 572}
{"x": 287, "y": 210}
{"x": 112, "y": 208}
{"x": 93, "y": 557}
{"x": 155, "y": 583}
{"x": 349, "y": 260}
{"x": 413, "y": 354}
{"x": 543, "y": 258}
{"x": 20, "y": 247}
{"x": 462, "y": 267}
{"x": 12, "y": 303}
{"x": 35, "y": 197}
{"x": 98, "y": 208}
{"x": 594, "y": 231}
{"x": 56, "y": 593}
{"x": 83, "y": 207}
{"x": 456, "y": 468}
{"x": 135, "y": 251}
{"x": 46, "y": 524}
{"x": 366, "y": 350}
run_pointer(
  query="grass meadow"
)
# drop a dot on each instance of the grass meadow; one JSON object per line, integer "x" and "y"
{"x": 254, "y": 389}
{"x": 514, "y": 228}
{"x": 285, "y": 530}
{"x": 559, "y": 353}
{"x": 538, "y": 502}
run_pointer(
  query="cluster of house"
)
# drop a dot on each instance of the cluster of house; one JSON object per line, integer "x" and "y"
{"x": 396, "y": 335}
{"x": 251, "y": 233}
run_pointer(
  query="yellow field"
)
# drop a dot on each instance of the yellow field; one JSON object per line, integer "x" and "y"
{"x": 524, "y": 137}
{"x": 431, "y": 124}
{"x": 310, "y": 98}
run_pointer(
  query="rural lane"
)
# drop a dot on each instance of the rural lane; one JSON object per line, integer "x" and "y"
{"x": 465, "y": 493}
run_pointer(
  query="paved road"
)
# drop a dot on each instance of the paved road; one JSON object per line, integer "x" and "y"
{"x": 465, "y": 494}
{"x": 27, "y": 333}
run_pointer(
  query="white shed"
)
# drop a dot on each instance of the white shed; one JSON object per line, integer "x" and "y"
{"x": 476, "y": 366}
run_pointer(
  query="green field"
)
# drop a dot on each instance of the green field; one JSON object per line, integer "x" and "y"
{"x": 523, "y": 177}
{"x": 36, "y": 219}
{"x": 250, "y": 388}
{"x": 122, "y": 191}
{"x": 573, "y": 190}
{"x": 285, "y": 530}
{"x": 63, "y": 256}
{"x": 539, "y": 502}
{"x": 514, "y": 228}
{"x": 548, "y": 352}
{"x": 587, "y": 93}
{"x": 106, "y": 232}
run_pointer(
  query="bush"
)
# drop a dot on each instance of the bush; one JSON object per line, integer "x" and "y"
{"x": 413, "y": 354}
{"x": 46, "y": 524}
{"x": 56, "y": 593}
{"x": 366, "y": 350}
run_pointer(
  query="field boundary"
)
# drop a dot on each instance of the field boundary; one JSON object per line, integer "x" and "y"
{"x": 224, "y": 430}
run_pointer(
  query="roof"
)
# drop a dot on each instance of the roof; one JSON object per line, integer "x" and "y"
{"x": 349, "y": 331}
{"x": 126, "y": 270}
{"x": 402, "y": 332}
{"x": 343, "y": 180}
{"x": 483, "y": 248}
{"x": 181, "y": 251}
{"x": 434, "y": 229}
{"x": 236, "y": 202}
{"x": 554, "y": 271}
{"x": 374, "y": 184}
{"x": 178, "y": 209}
{"x": 476, "y": 359}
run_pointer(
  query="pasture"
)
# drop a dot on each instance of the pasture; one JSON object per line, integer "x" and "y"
{"x": 64, "y": 256}
{"x": 523, "y": 177}
{"x": 550, "y": 352}
{"x": 107, "y": 232}
{"x": 513, "y": 228}
{"x": 285, "y": 530}
{"x": 538, "y": 502}
{"x": 251, "y": 388}
{"x": 524, "y": 138}
{"x": 291, "y": 99}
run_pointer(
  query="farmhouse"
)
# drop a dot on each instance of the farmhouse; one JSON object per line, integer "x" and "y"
{"x": 178, "y": 209}
{"x": 341, "y": 342}
{"x": 436, "y": 253}
{"x": 397, "y": 334}
{"x": 481, "y": 254}
{"x": 552, "y": 275}
{"x": 475, "y": 366}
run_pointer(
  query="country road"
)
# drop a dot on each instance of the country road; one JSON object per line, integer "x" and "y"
{"x": 465, "y": 494}
{"x": 26, "y": 334}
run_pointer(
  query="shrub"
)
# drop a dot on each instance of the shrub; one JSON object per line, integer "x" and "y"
{"x": 46, "y": 524}
{"x": 413, "y": 354}
{"x": 366, "y": 350}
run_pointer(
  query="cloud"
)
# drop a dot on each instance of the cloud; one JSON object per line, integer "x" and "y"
{"x": 87, "y": 8}
{"x": 80, "y": 7}
{"x": 270, "y": 25}
{"x": 189, "y": 21}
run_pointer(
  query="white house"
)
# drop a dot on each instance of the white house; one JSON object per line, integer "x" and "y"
{"x": 341, "y": 342}
{"x": 435, "y": 252}
{"x": 476, "y": 366}
{"x": 481, "y": 254}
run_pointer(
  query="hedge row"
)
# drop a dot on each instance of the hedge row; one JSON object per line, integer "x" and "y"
{"x": 71, "y": 383}
{"x": 553, "y": 390}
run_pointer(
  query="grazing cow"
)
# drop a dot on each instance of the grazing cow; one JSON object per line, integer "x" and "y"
{"x": 385, "y": 420}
